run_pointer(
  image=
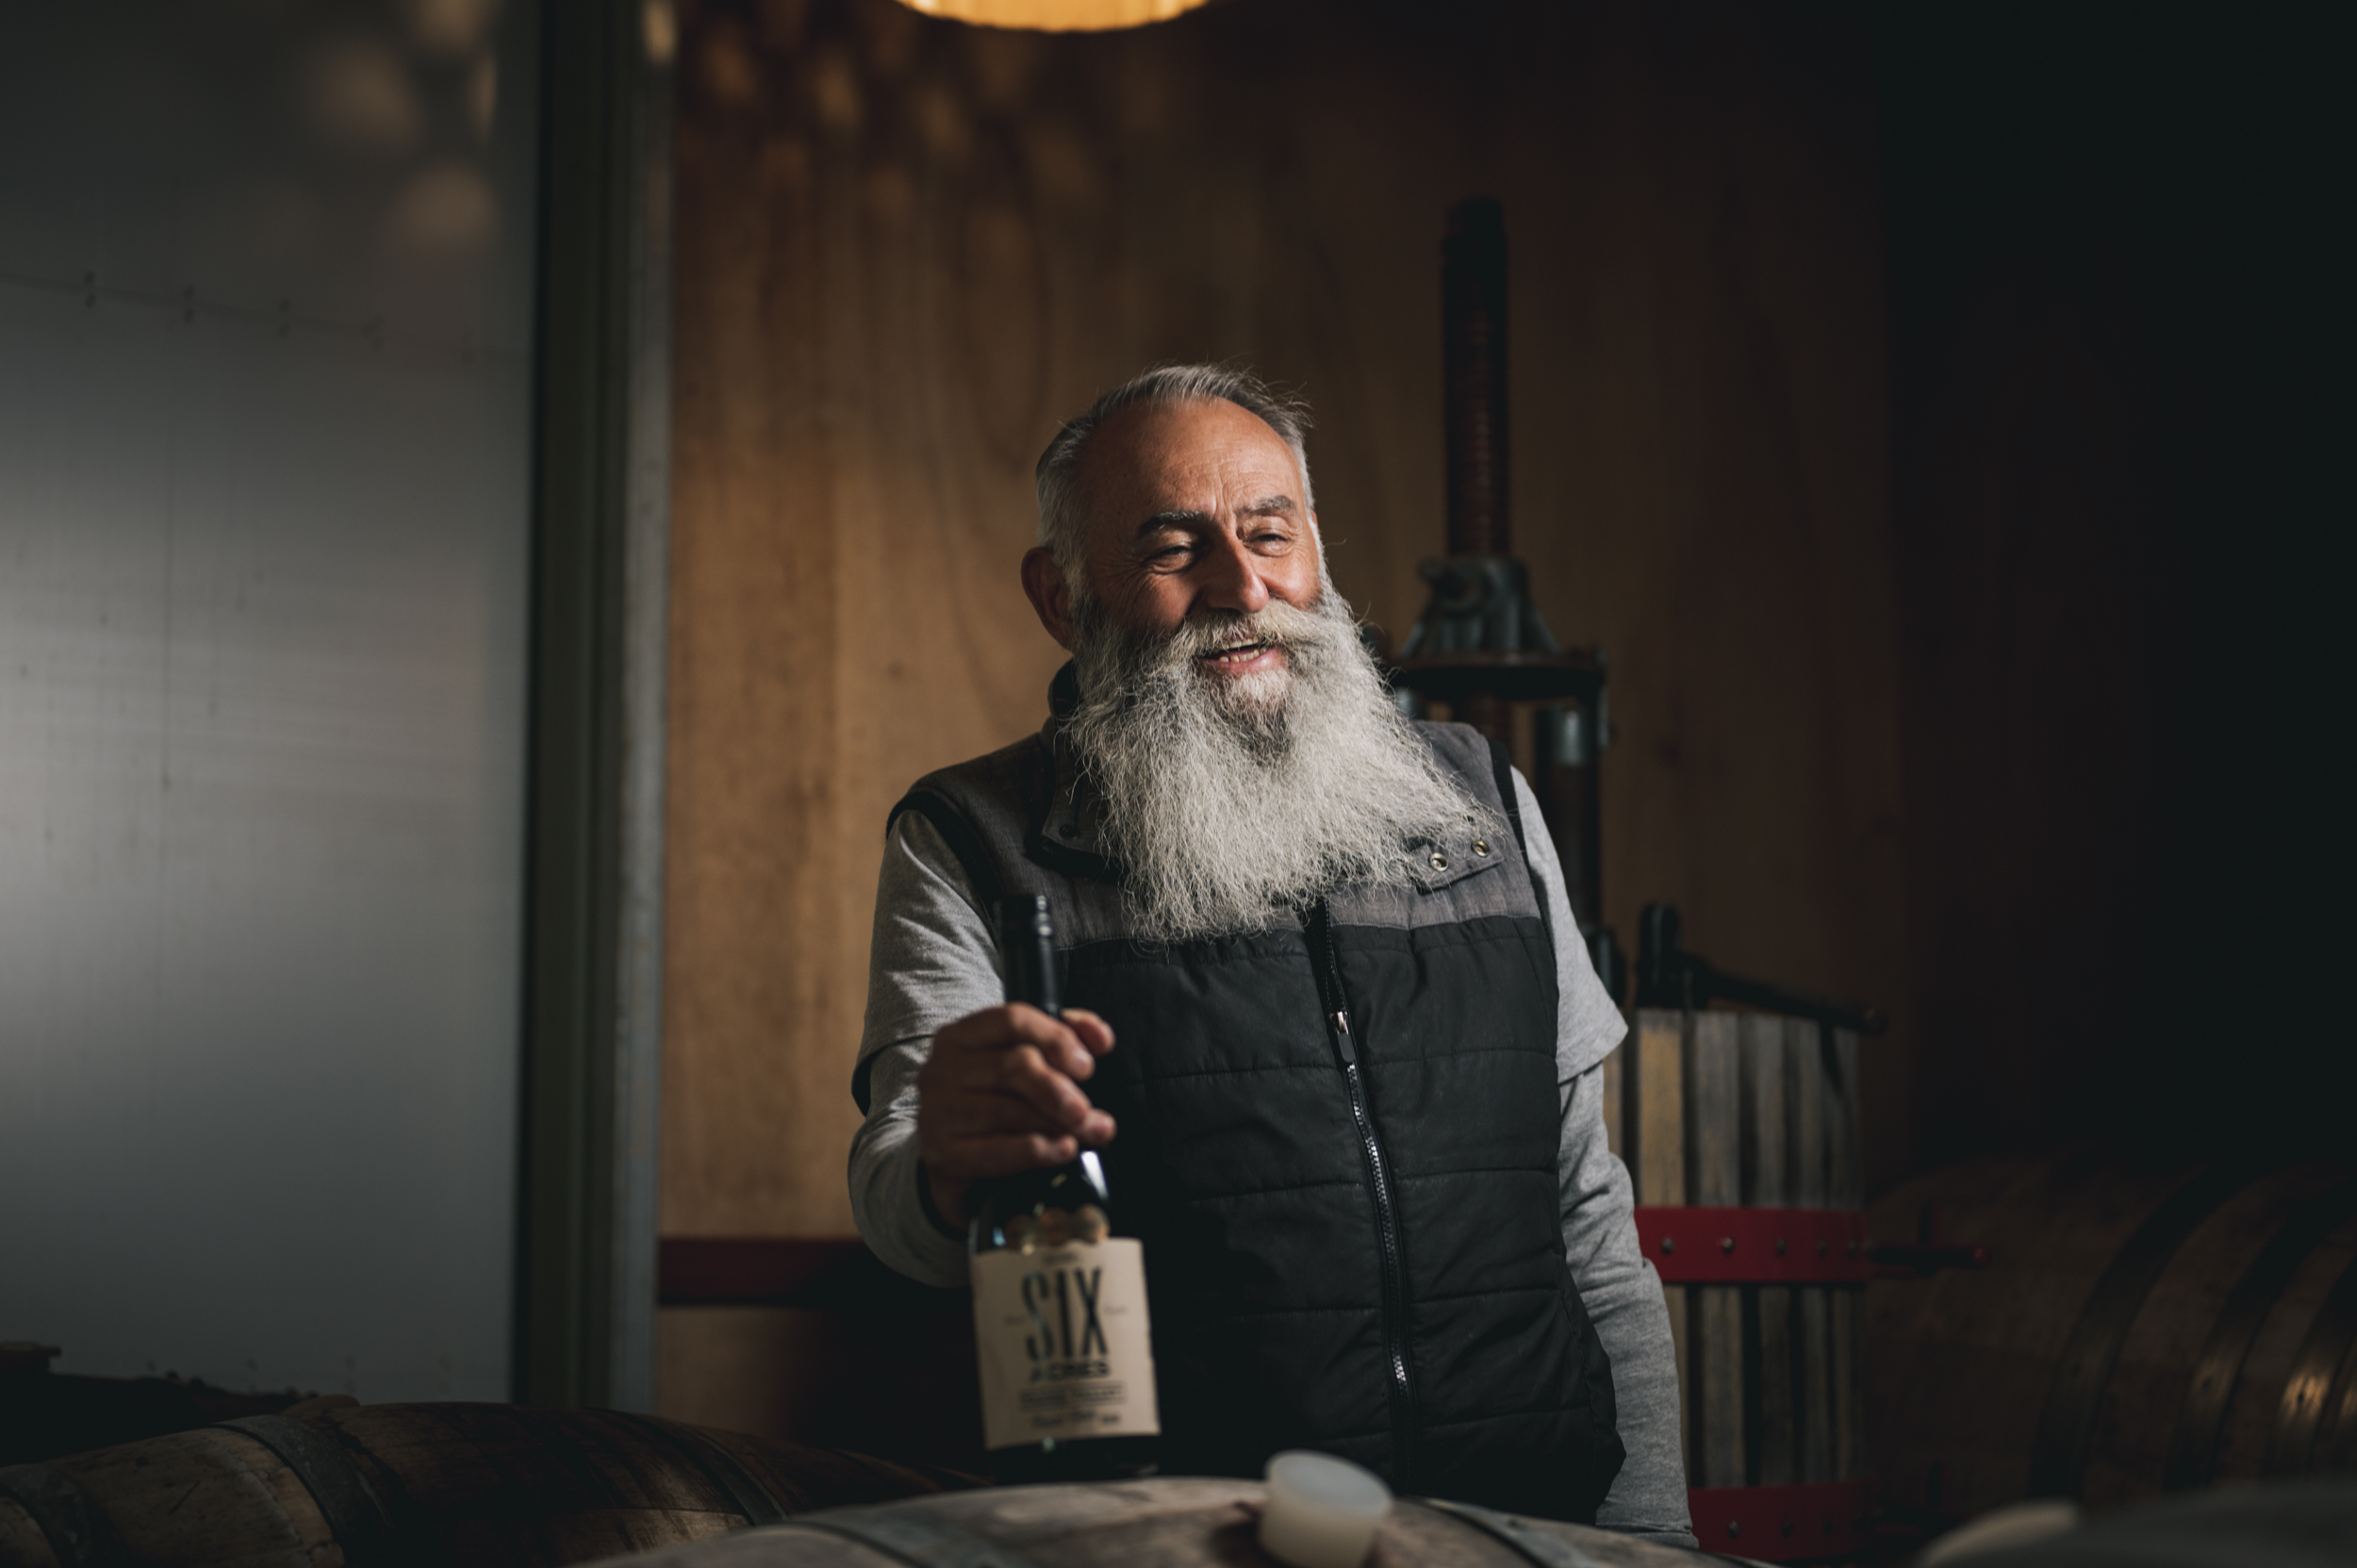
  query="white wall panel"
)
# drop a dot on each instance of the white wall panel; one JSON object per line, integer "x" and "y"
{"x": 264, "y": 477}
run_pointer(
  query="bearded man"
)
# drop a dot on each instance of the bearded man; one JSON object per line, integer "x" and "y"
{"x": 1332, "y": 1025}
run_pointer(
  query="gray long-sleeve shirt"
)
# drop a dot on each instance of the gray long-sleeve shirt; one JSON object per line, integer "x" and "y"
{"x": 934, "y": 961}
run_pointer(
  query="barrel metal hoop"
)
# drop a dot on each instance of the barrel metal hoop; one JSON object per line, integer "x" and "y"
{"x": 356, "y": 1515}
{"x": 744, "y": 1491}
{"x": 1531, "y": 1543}
{"x": 2066, "y": 1426}
{"x": 914, "y": 1538}
{"x": 2318, "y": 1379}
{"x": 2218, "y": 1371}
{"x": 77, "y": 1530}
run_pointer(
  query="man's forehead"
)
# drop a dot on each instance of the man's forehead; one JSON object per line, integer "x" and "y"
{"x": 1170, "y": 451}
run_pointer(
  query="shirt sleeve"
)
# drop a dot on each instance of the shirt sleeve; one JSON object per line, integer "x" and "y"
{"x": 1617, "y": 1285}
{"x": 1587, "y": 1022}
{"x": 932, "y": 960}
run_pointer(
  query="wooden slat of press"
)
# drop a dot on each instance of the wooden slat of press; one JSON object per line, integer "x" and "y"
{"x": 1805, "y": 1101}
{"x": 1653, "y": 1128}
{"x": 1767, "y": 1176}
{"x": 1654, "y": 1117}
{"x": 1845, "y": 1188}
{"x": 1845, "y": 1184}
{"x": 1714, "y": 1178}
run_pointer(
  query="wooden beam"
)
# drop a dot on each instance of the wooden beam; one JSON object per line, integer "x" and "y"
{"x": 586, "y": 1285}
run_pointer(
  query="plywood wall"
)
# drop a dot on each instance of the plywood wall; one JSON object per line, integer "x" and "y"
{"x": 908, "y": 248}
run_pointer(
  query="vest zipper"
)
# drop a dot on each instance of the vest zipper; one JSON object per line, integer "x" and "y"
{"x": 1318, "y": 925}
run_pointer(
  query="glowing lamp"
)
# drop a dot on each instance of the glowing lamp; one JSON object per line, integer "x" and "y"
{"x": 1055, "y": 16}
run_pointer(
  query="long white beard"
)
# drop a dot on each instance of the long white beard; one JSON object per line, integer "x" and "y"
{"x": 1232, "y": 803}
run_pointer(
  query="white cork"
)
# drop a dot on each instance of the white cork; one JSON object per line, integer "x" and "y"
{"x": 1322, "y": 1512}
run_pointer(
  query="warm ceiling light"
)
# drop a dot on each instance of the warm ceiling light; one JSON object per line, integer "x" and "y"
{"x": 1056, "y": 16}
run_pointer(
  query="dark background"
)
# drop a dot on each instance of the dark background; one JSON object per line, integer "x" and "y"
{"x": 2119, "y": 269}
{"x": 1936, "y": 411}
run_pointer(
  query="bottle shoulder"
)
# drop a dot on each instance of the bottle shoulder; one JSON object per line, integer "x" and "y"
{"x": 1048, "y": 1214}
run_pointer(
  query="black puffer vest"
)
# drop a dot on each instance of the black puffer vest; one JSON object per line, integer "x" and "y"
{"x": 1351, "y": 1229}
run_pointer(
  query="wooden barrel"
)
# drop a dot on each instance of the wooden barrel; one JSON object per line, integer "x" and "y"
{"x": 402, "y": 1486}
{"x": 1171, "y": 1522}
{"x": 2137, "y": 1329}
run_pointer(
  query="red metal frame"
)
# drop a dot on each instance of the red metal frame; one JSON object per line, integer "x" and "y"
{"x": 1755, "y": 1247}
{"x": 1781, "y": 1523}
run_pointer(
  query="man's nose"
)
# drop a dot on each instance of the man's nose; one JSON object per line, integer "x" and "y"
{"x": 1231, "y": 578}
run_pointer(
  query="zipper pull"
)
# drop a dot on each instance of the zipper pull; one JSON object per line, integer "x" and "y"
{"x": 1339, "y": 1022}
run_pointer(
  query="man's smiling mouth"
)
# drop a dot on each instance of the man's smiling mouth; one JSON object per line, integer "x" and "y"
{"x": 1243, "y": 653}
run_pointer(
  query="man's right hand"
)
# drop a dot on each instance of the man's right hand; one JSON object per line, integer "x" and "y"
{"x": 1002, "y": 1094}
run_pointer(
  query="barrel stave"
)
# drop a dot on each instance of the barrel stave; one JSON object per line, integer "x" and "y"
{"x": 579, "y": 1537}
{"x": 1139, "y": 1523}
{"x": 802, "y": 1478}
{"x": 1971, "y": 1394}
{"x": 1959, "y": 1370}
{"x": 2137, "y": 1418}
{"x": 2280, "y": 1429}
{"x": 501, "y": 1484}
{"x": 465, "y": 1486}
{"x": 1163, "y": 1522}
{"x": 787, "y": 1545}
{"x": 21, "y": 1541}
{"x": 2250, "y": 1420}
{"x": 218, "y": 1487}
{"x": 462, "y": 1462}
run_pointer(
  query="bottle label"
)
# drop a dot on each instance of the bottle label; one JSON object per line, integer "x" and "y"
{"x": 1064, "y": 1345}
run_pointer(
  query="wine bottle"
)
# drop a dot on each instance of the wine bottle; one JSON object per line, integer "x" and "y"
{"x": 1060, "y": 1318}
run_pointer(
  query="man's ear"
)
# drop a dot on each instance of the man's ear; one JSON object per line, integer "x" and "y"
{"x": 1050, "y": 596}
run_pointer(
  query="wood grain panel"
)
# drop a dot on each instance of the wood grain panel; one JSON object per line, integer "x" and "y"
{"x": 906, "y": 248}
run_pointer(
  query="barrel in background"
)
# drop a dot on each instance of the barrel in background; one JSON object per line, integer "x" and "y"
{"x": 2139, "y": 1329}
{"x": 469, "y": 1486}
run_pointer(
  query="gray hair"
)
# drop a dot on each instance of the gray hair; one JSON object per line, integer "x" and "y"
{"x": 1059, "y": 528}
{"x": 1229, "y": 804}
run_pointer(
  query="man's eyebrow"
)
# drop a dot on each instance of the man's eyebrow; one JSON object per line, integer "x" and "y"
{"x": 1179, "y": 516}
{"x": 1187, "y": 516}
